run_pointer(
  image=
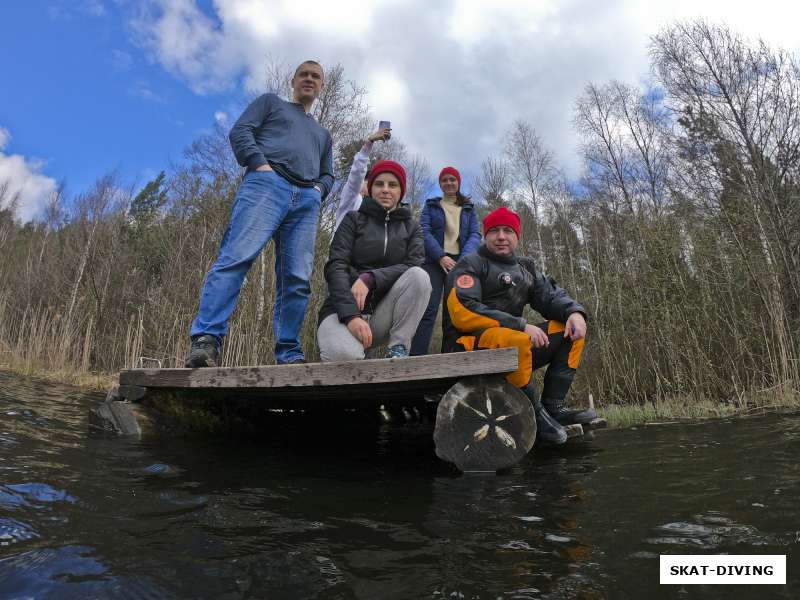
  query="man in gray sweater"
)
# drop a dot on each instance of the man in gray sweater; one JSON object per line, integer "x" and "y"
{"x": 289, "y": 160}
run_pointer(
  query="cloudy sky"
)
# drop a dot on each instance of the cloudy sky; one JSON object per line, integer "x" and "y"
{"x": 89, "y": 86}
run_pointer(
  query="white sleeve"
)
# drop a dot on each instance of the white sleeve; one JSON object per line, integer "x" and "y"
{"x": 350, "y": 198}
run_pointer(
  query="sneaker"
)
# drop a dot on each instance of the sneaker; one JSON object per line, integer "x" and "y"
{"x": 293, "y": 361}
{"x": 204, "y": 352}
{"x": 398, "y": 351}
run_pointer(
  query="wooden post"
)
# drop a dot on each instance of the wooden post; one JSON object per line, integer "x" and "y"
{"x": 484, "y": 424}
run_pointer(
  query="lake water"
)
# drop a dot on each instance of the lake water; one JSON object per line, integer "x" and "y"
{"x": 371, "y": 512}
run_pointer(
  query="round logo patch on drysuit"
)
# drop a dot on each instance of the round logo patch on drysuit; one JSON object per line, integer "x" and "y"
{"x": 465, "y": 282}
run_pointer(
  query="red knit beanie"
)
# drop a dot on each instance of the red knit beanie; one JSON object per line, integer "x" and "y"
{"x": 501, "y": 216}
{"x": 451, "y": 171}
{"x": 387, "y": 166}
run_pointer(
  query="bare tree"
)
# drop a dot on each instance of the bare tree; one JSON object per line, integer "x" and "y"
{"x": 494, "y": 182}
{"x": 211, "y": 157}
{"x": 626, "y": 147}
{"x": 607, "y": 158}
{"x": 647, "y": 128}
{"x": 394, "y": 150}
{"x": 419, "y": 179}
{"x": 8, "y": 200}
{"x": 278, "y": 77}
{"x": 532, "y": 170}
{"x": 342, "y": 107}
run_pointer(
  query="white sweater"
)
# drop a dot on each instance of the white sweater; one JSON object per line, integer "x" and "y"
{"x": 350, "y": 198}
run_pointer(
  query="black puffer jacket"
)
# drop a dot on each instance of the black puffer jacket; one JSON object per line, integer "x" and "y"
{"x": 485, "y": 290}
{"x": 371, "y": 239}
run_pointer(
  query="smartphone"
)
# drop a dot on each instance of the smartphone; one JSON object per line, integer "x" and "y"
{"x": 384, "y": 125}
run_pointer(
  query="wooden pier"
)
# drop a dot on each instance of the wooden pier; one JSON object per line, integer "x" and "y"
{"x": 476, "y": 400}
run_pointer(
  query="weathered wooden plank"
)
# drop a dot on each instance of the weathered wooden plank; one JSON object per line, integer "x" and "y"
{"x": 335, "y": 374}
{"x": 353, "y": 396}
{"x": 132, "y": 392}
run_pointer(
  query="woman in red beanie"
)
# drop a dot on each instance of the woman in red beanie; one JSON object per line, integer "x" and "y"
{"x": 451, "y": 230}
{"x": 377, "y": 290}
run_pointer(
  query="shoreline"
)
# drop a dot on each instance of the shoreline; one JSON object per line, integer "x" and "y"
{"x": 619, "y": 416}
{"x": 85, "y": 381}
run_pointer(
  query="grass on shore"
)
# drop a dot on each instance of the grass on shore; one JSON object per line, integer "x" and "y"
{"x": 86, "y": 380}
{"x": 686, "y": 409}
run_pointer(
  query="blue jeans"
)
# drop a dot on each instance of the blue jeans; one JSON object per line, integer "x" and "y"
{"x": 266, "y": 207}
{"x": 422, "y": 338}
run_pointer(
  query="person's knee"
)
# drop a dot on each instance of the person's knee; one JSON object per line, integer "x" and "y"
{"x": 419, "y": 279}
{"x": 503, "y": 337}
{"x": 511, "y": 338}
{"x": 230, "y": 261}
{"x": 342, "y": 355}
{"x": 340, "y": 350}
{"x": 520, "y": 339}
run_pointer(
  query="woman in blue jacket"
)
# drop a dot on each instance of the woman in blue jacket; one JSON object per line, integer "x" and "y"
{"x": 451, "y": 230}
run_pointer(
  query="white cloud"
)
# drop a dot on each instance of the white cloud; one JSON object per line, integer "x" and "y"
{"x": 221, "y": 117}
{"x": 23, "y": 181}
{"x": 189, "y": 44}
{"x": 389, "y": 95}
{"x": 451, "y": 75}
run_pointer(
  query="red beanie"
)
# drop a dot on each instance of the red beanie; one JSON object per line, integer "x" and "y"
{"x": 387, "y": 166}
{"x": 501, "y": 216}
{"x": 451, "y": 171}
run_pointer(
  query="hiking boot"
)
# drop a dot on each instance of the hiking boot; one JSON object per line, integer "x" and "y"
{"x": 568, "y": 416}
{"x": 398, "y": 351}
{"x": 548, "y": 430}
{"x": 203, "y": 353}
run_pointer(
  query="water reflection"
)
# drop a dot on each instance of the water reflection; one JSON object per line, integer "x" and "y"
{"x": 331, "y": 511}
{"x": 518, "y": 534}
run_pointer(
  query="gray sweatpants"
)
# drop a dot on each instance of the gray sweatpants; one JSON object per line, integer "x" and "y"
{"x": 394, "y": 321}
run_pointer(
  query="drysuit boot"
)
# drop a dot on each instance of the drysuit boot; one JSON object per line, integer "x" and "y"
{"x": 548, "y": 430}
{"x": 567, "y": 416}
{"x": 203, "y": 353}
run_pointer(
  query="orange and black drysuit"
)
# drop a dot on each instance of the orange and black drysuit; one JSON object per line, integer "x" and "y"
{"x": 486, "y": 295}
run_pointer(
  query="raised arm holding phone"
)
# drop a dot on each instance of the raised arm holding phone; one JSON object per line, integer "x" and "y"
{"x": 355, "y": 188}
